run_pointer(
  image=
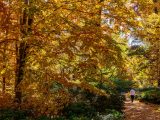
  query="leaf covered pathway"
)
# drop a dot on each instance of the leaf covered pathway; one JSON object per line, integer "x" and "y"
{"x": 141, "y": 111}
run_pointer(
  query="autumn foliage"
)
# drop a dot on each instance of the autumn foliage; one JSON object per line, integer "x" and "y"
{"x": 48, "y": 47}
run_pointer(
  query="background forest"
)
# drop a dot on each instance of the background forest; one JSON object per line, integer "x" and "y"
{"x": 73, "y": 59}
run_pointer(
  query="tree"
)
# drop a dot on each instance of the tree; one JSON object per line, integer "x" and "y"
{"x": 151, "y": 35}
{"x": 60, "y": 44}
{"x": 26, "y": 20}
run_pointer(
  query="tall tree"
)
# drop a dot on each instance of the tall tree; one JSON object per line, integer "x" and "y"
{"x": 157, "y": 44}
{"x": 150, "y": 33}
{"x": 26, "y": 20}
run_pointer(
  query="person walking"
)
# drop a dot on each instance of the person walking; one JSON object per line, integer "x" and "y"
{"x": 132, "y": 93}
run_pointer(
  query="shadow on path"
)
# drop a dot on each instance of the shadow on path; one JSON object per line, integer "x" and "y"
{"x": 141, "y": 111}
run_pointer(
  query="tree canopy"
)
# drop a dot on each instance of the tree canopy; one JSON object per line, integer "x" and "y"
{"x": 48, "y": 47}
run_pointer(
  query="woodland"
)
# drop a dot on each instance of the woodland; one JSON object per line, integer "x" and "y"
{"x": 75, "y": 59}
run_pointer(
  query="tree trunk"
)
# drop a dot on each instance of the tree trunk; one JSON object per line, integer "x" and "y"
{"x": 3, "y": 82}
{"x": 155, "y": 8}
{"x": 4, "y": 63}
{"x": 25, "y": 27}
{"x": 159, "y": 83}
{"x": 4, "y": 68}
{"x": 21, "y": 60}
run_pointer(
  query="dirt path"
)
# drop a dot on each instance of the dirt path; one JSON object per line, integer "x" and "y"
{"x": 141, "y": 111}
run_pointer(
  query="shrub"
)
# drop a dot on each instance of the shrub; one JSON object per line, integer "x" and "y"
{"x": 78, "y": 110}
{"x": 114, "y": 101}
{"x": 152, "y": 96}
{"x": 148, "y": 89}
{"x": 111, "y": 115}
{"x": 79, "y": 118}
{"x": 89, "y": 103}
{"x": 43, "y": 118}
{"x": 9, "y": 114}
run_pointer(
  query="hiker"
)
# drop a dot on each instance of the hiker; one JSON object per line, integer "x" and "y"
{"x": 132, "y": 93}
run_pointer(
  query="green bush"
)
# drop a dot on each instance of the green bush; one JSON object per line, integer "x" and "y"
{"x": 91, "y": 104}
{"x": 9, "y": 114}
{"x": 114, "y": 101}
{"x": 148, "y": 89}
{"x": 70, "y": 118}
{"x": 110, "y": 115}
{"x": 79, "y": 118}
{"x": 118, "y": 116}
{"x": 48, "y": 118}
{"x": 78, "y": 110}
{"x": 43, "y": 118}
{"x": 152, "y": 96}
{"x": 59, "y": 118}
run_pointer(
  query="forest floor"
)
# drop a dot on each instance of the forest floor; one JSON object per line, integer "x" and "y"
{"x": 141, "y": 111}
